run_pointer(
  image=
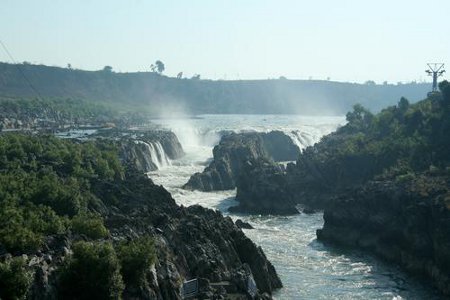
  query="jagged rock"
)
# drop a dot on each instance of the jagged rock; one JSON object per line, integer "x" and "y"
{"x": 193, "y": 242}
{"x": 405, "y": 223}
{"x": 312, "y": 181}
{"x": 243, "y": 225}
{"x": 235, "y": 149}
{"x": 260, "y": 190}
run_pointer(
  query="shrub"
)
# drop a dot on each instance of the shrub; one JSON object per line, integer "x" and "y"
{"x": 14, "y": 234}
{"x": 405, "y": 177}
{"x": 136, "y": 258}
{"x": 22, "y": 227}
{"x": 92, "y": 272}
{"x": 15, "y": 279}
{"x": 90, "y": 225}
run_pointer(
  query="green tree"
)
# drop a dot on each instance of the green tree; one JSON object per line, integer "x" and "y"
{"x": 92, "y": 272}
{"x": 403, "y": 104}
{"x": 136, "y": 257}
{"x": 444, "y": 87}
{"x": 90, "y": 225}
{"x": 359, "y": 119}
{"x": 158, "y": 67}
{"x": 15, "y": 278}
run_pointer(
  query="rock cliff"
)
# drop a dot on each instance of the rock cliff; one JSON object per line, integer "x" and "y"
{"x": 189, "y": 243}
{"x": 234, "y": 150}
{"x": 261, "y": 189}
{"x": 147, "y": 150}
{"x": 407, "y": 223}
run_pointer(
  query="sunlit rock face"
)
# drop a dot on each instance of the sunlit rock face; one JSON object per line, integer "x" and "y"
{"x": 236, "y": 149}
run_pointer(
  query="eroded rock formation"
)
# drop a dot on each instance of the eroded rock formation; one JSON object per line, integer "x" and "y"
{"x": 236, "y": 149}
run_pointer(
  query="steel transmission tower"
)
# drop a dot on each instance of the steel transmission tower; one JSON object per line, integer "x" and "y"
{"x": 436, "y": 70}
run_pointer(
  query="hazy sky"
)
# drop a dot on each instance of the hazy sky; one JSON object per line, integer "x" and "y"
{"x": 233, "y": 39}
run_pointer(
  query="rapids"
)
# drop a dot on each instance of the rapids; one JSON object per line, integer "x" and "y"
{"x": 308, "y": 269}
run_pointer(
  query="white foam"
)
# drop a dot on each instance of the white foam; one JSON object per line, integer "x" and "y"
{"x": 155, "y": 155}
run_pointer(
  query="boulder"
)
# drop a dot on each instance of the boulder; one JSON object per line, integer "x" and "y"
{"x": 260, "y": 190}
{"x": 234, "y": 150}
{"x": 243, "y": 225}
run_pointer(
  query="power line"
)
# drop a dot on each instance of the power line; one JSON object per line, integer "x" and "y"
{"x": 20, "y": 70}
{"x": 436, "y": 70}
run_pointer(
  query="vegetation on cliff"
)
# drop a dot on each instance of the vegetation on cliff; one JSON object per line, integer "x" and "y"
{"x": 397, "y": 143}
{"x": 45, "y": 187}
{"x": 386, "y": 182}
{"x": 78, "y": 221}
{"x": 46, "y": 190}
{"x": 399, "y": 140}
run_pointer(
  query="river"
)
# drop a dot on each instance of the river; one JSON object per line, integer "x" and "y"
{"x": 307, "y": 268}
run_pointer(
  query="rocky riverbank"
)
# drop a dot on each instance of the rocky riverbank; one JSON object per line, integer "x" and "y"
{"x": 120, "y": 210}
{"x": 192, "y": 242}
{"x": 382, "y": 180}
{"x": 407, "y": 223}
{"x": 310, "y": 182}
{"x": 234, "y": 150}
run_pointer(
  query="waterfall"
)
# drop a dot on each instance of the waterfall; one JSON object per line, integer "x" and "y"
{"x": 162, "y": 158}
{"x": 301, "y": 139}
{"x": 155, "y": 156}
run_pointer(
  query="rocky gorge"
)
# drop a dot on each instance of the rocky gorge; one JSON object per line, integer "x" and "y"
{"x": 382, "y": 181}
{"x": 407, "y": 223}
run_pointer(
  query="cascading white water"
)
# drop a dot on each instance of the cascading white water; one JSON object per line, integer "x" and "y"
{"x": 308, "y": 269}
{"x": 301, "y": 139}
{"x": 155, "y": 155}
{"x": 164, "y": 161}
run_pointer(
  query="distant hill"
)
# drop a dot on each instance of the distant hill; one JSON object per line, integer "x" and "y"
{"x": 160, "y": 94}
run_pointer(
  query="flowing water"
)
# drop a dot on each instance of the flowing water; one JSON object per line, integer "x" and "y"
{"x": 155, "y": 154}
{"x": 308, "y": 269}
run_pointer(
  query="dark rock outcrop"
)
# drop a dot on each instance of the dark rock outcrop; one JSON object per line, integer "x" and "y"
{"x": 261, "y": 189}
{"x": 311, "y": 182}
{"x": 243, "y": 225}
{"x": 192, "y": 242}
{"x": 234, "y": 150}
{"x": 406, "y": 223}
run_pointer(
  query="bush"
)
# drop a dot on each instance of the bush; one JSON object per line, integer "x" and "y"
{"x": 136, "y": 258}
{"x": 405, "y": 177}
{"x": 22, "y": 227}
{"x": 15, "y": 279}
{"x": 90, "y": 225}
{"x": 92, "y": 272}
{"x": 14, "y": 235}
